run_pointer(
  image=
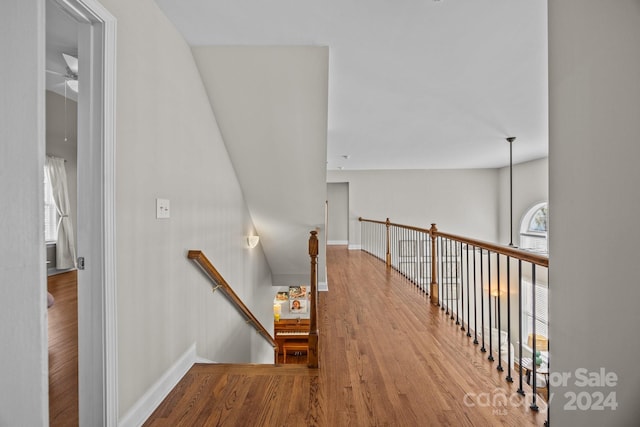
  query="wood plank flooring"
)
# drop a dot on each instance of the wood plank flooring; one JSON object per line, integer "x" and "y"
{"x": 387, "y": 358}
{"x": 63, "y": 350}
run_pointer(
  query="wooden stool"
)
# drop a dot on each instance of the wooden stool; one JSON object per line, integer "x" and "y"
{"x": 294, "y": 346}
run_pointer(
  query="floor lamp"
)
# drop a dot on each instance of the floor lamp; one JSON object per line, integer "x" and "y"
{"x": 510, "y": 141}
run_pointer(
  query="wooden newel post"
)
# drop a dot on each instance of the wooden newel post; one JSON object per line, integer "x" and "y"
{"x": 433, "y": 289}
{"x": 313, "y": 321}
{"x": 388, "y": 244}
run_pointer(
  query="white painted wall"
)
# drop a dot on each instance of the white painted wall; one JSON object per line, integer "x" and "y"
{"x": 530, "y": 187}
{"x": 271, "y": 105}
{"x": 169, "y": 146}
{"x": 463, "y": 202}
{"x": 594, "y": 81}
{"x": 338, "y": 213}
{"x": 23, "y": 314}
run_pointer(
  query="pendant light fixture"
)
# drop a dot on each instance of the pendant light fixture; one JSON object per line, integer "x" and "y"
{"x": 510, "y": 141}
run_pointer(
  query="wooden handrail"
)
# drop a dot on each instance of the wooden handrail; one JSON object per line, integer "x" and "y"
{"x": 203, "y": 262}
{"x": 313, "y": 282}
{"x": 531, "y": 257}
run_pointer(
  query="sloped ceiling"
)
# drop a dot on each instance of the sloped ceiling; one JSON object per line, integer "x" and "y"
{"x": 271, "y": 107}
{"x": 414, "y": 84}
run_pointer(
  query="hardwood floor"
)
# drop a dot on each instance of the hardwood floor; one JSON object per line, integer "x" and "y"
{"x": 387, "y": 358}
{"x": 63, "y": 350}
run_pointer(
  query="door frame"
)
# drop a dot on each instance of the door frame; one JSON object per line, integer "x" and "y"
{"x": 97, "y": 323}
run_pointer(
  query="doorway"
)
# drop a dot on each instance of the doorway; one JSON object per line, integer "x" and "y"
{"x": 338, "y": 213}
{"x": 95, "y": 223}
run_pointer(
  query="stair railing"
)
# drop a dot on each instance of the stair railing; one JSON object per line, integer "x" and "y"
{"x": 221, "y": 284}
{"x": 313, "y": 283}
{"x": 481, "y": 286}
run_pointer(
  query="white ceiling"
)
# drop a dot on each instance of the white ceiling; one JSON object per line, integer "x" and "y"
{"x": 413, "y": 84}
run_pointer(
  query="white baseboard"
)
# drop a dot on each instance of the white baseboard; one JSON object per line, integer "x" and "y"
{"x": 203, "y": 360}
{"x": 337, "y": 242}
{"x": 323, "y": 286}
{"x": 355, "y": 247}
{"x": 148, "y": 403}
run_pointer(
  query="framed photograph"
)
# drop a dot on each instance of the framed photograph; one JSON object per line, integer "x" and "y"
{"x": 298, "y": 305}
{"x": 297, "y": 292}
{"x": 282, "y": 296}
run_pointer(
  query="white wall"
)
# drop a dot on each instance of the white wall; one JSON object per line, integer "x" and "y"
{"x": 23, "y": 318}
{"x": 271, "y": 106}
{"x": 338, "y": 213}
{"x": 593, "y": 178}
{"x": 530, "y": 187}
{"x": 463, "y": 202}
{"x": 169, "y": 146}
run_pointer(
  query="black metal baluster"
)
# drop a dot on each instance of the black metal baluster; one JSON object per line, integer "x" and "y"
{"x": 475, "y": 299}
{"x": 404, "y": 237}
{"x": 393, "y": 237}
{"x": 534, "y": 405}
{"x": 520, "y": 390}
{"x": 461, "y": 285}
{"x": 489, "y": 303}
{"x": 407, "y": 260}
{"x": 373, "y": 235}
{"x": 416, "y": 271}
{"x": 482, "y": 349}
{"x": 447, "y": 274}
{"x": 381, "y": 241}
{"x": 440, "y": 259}
{"x": 459, "y": 292}
{"x": 455, "y": 282}
{"x": 373, "y": 239}
{"x": 468, "y": 297}
{"x": 499, "y": 315}
{"x": 427, "y": 265}
{"x": 452, "y": 264}
{"x": 509, "y": 341}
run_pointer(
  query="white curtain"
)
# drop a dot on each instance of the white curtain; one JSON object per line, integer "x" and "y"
{"x": 65, "y": 246}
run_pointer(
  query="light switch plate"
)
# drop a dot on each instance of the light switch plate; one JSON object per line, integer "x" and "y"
{"x": 162, "y": 208}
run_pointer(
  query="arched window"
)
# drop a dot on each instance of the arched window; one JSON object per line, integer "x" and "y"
{"x": 533, "y": 229}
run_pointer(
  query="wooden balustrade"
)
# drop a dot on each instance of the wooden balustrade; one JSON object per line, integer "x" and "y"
{"x": 460, "y": 272}
{"x": 313, "y": 283}
{"x": 220, "y": 283}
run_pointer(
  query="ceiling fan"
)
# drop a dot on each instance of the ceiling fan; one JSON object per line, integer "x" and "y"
{"x": 71, "y": 76}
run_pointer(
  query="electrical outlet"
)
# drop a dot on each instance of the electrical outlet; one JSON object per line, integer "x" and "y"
{"x": 162, "y": 208}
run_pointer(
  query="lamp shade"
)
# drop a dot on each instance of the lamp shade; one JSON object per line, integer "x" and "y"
{"x": 542, "y": 344}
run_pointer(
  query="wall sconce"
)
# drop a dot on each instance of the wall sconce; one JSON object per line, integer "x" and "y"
{"x": 252, "y": 241}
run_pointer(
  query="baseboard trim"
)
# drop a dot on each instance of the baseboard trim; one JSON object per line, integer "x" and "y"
{"x": 323, "y": 286}
{"x": 144, "y": 407}
{"x": 337, "y": 242}
{"x": 355, "y": 247}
